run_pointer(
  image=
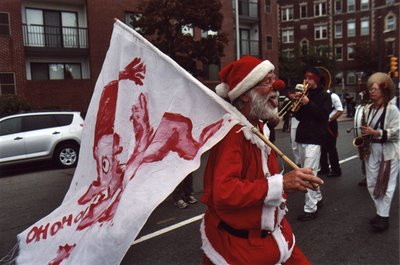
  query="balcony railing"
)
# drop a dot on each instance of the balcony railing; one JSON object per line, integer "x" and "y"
{"x": 250, "y": 47}
{"x": 54, "y": 37}
{"x": 248, "y": 9}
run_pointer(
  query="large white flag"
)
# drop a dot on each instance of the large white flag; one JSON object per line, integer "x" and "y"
{"x": 147, "y": 125}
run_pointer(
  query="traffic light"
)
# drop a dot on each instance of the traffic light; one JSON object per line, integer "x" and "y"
{"x": 394, "y": 66}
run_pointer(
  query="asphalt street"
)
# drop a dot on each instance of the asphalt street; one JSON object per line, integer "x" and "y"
{"x": 340, "y": 235}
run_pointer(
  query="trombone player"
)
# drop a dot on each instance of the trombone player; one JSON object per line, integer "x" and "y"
{"x": 313, "y": 115}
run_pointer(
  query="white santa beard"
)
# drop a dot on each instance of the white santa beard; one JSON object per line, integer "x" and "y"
{"x": 260, "y": 107}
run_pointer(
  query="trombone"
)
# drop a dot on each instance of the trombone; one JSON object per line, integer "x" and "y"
{"x": 293, "y": 105}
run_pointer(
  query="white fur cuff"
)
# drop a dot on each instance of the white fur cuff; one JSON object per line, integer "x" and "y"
{"x": 275, "y": 190}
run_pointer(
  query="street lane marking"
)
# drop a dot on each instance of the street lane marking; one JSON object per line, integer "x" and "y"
{"x": 168, "y": 229}
{"x": 348, "y": 159}
{"x": 196, "y": 218}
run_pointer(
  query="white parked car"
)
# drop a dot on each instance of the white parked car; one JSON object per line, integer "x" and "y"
{"x": 41, "y": 136}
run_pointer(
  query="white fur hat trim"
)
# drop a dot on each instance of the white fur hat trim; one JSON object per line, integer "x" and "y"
{"x": 222, "y": 90}
{"x": 251, "y": 79}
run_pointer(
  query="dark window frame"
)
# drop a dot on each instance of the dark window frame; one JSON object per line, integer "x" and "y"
{"x": 5, "y": 25}
{"x": 3, "y": 85}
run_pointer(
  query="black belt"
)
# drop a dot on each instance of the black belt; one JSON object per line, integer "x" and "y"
{"x": 240, "y": 233}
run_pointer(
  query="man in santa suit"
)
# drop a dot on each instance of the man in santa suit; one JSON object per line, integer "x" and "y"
{"x": 243, "y": 189}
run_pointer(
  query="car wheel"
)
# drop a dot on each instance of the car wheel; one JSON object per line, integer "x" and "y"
{"x": 66, "y": 155}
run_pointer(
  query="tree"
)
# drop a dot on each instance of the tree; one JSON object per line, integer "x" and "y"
{"x": 366, "y": 60}
{"x": 292, "y": 68}
{"x": 163, "y": 21}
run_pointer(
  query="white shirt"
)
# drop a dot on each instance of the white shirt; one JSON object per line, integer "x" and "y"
{"x": 336, "y": 104}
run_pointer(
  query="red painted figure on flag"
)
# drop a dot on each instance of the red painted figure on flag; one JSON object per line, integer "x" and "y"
{"x": 173, "y": 134}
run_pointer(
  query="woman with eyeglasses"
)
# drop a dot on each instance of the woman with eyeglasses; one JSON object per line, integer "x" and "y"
{"x": 382, "y": 166}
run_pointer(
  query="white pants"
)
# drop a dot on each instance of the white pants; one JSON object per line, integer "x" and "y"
{"x": 382, "y": 204}
{"x": 295, "y": 146}
{"x": 309, "y": 157}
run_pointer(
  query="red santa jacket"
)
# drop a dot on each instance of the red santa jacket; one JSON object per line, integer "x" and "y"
{"x": 238, "y": 193}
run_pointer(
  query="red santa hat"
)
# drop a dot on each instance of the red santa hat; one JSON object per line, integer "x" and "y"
{"x": 241, "y": 75}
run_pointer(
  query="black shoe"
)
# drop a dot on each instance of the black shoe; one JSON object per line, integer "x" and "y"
{"x": 307, "y": 216}
{"x": 322, "y": 173}
{"x": 320, "y": 203}
{"x": 334, "y": 174}
{"x": 363, "y": 182}
{"x": 381, "y": 224}
{"x": 374, "y": 220}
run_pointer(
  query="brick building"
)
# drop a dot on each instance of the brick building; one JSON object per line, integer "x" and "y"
{"x": 52, "y": 51}
{"x": 339, "y": 26}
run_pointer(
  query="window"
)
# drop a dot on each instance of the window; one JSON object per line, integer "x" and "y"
{"x": 287, "y": 13}
{"x": 208, "y": 33}
{"x": 269, "y": 42}
{"x": 288, "y": 53}
{"x": 322, "y": 50}
{"x": 351, "y": 78}
{"x": 49, "y": 28}
{"x": 187, "y": 30}
{"x": 7, "y": 83}
{"x": 4, "y": 24}
{"x": 351, "y": 28}
{"x": 10, "y": 126}
{"x": 390, "y": 47}
{"x": 38, "y": 122}
{"x": 319, "y": 9}
{"x": 338, "y": 30}
{"x": 350, "y": 52}
{"x": 364, "y": 4}
{"x": 390, "y": 23}
{"x": 55, "y": 71}
{"x": 320, "y": 32}
{"x": 130, "y": 18}
{"x": 287, "y": 36}
{"x": 63, "y": 119}
{"x": 304, "y": 47}
{"x": 339, "y": 78}
{"x": 364, "y": 26}
{"x": 339, "y": 53}
{"x": 268, "y": 6}
{"x": 390, "y": 2}
{"x": 338, "y": 6}
{"x": 303, "y": 10}
{"x": 351, "y": 6}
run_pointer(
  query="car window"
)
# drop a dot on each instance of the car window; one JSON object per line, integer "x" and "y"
{"x": 10, "y": 126}
{"x": 63, "y": 119}
{"x": 37, "y": 122}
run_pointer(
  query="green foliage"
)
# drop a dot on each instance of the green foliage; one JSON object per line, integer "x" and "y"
{"x": 292, "y": 69}
{"x": 11, "y": 104}
{"x": 162, "y": 21}
{"x": 366, "y": 61}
